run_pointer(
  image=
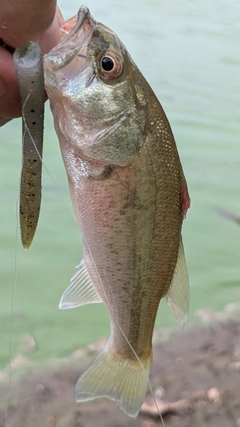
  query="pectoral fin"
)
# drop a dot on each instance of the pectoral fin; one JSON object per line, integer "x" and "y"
{"x": 178, "y": 293}
{"x": 81, "y": 290}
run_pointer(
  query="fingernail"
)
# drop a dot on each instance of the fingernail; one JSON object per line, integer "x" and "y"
{"x": 3, "y": 88}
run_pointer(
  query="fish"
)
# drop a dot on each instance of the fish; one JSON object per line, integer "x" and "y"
{"x": 29, "y": 70}
{"x": 129, "y": 196}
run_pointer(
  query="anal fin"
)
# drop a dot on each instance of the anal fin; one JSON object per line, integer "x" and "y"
{"x": 80, "y": 291}
{"x": 178, "y": 294}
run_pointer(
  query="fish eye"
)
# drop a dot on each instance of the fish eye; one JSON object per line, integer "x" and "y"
{"x": 107, "y": 63}
{"x": 110, "y": 66}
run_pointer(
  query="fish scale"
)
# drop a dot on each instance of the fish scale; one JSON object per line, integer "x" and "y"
{"x": 129, "y": 196}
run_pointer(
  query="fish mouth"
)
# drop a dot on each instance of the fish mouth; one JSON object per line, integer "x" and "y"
{"x": 74, "y": 45}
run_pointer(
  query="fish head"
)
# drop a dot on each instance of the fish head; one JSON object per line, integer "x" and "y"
{"x": 95, "y": 92}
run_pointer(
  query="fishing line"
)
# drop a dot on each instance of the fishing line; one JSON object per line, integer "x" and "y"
{"x": 11, "y": 318}
{"x": 90, "y": 252}
{"x": 15, "y": 265}
{"x": 30, "y": 399}
{"x": 124, "y": 335}
{"x": 41, "y": 157}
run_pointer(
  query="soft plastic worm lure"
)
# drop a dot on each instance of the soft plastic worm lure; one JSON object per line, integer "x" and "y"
{"x": 29, "y": 69}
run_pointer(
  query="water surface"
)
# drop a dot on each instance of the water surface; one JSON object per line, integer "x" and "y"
{"x": 189, "y": 53}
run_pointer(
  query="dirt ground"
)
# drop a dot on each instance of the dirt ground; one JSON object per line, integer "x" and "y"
{"x": 195, "y": 378}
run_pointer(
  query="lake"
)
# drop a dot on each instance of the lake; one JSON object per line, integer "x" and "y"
{"x": 189, "y": 53}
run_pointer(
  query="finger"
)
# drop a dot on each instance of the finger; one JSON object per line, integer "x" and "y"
{"x": 59, "y": 16}
{"x": 25, "y": 20}
{"x": 52, "y": 36}
{"x": 10, "y": 105}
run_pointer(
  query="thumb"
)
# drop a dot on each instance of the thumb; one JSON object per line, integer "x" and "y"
{"x": 52, "y": 35}
{"x": 9, "y": 93}
{"x": 10, "y": 106}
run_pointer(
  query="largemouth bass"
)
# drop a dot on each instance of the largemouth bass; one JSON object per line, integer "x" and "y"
{"x": 130, "y": 197}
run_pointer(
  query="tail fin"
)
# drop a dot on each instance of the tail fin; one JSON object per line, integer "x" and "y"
{"x": 122, "y": 380}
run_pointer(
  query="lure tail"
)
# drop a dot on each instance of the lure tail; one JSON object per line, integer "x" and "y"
{"x": 123, "y": 380}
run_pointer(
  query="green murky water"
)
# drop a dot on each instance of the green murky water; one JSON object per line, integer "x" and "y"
{"x": 189, "y": 53}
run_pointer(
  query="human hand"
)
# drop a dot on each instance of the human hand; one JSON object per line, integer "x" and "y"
{"x": 20, "y": 22}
